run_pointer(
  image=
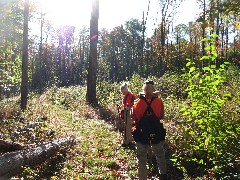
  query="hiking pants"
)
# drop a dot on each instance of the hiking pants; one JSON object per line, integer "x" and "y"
{"x": 127, "y": 128}
{"x": 142, "y": 151}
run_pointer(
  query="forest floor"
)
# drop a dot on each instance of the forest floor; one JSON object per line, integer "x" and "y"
{"x": 97, "y": 153}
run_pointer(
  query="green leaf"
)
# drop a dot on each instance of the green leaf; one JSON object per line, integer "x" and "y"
{"x": 192, "y": 69}
{"x": 188, "y": 64}
{"x": 208, "y": 48}
{"x": 222, "y": 66}
{"x": 201, "y": 161}
{"x": 213, "y": 66}
{"x": 228, "y": 95}
{"x": 197, "y": 75}
{"x": 214, "y": 35}
{"x": 182, "y": 109}
{"x": 206, "y": 68}
{"x": 190, "y": 94}
{"x": 214, "y": 54}
{"x": 173, "y": 160}
{"x": 204, "y": 40}
{"x": 194, "y": 104}
{"x": 186, "y": 113}
{"x": 205, "y": 58}
{"x": 199, "y": 121}
{"x": 191, "y": 133}
{"x": 194, "y": 112}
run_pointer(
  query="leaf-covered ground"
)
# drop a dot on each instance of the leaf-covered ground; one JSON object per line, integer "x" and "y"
{"x": 97, "y": 153}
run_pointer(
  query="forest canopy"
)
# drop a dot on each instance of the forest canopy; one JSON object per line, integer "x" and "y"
{"x": 59, "y": 55}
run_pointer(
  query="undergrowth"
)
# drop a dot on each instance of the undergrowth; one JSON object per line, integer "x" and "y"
{"x": 97, "y": 153}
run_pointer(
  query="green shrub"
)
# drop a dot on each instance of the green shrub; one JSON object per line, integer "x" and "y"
{"x": 209, "y": 138}
{"x": 107, "y": 94}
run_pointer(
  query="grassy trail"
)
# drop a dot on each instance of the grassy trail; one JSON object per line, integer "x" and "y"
{"x": 97, "y": 153}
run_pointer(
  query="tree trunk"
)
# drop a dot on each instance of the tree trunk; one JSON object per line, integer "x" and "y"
{"x": 1, "y": 89}
{"x": 217, "y": 31}
{"x": 142, "y": 48}
{"x": 40, "y": 57}
{"x": 12, "y": 163}
{"x": 203, "y": 30}
{"x": 226, "y": 41}
{"x": 92, "y": 69}
{"x": 24, "y": 84}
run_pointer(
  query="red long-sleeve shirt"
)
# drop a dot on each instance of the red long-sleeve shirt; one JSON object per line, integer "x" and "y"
{"x": 128, "y": 100}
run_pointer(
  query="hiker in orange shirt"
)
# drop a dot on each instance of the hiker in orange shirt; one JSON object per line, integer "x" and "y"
{"x": 148, "y": 131}
{"x": 127, "y": 103}
{"x": 128, "y": 97}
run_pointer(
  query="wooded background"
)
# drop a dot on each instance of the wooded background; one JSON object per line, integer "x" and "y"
{"x": 60, "y": 56}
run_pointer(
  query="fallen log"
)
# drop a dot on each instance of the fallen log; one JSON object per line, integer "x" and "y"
{"x": 8, "y": 146}
{"x": 12, "y": 163}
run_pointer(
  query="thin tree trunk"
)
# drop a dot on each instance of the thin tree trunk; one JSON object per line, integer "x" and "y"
{"x": 226, "y": 44}
{"x": 203, "y": 30}
{"x": 217, "y": 32}
{"x": 1, "y": 76}
{"x": 24, "y": 84}
{"x": 142, "y": 48}
{"x": 40, "y": 57}
{"x": 191, "y": 41}
{"x": 64, "y": 68}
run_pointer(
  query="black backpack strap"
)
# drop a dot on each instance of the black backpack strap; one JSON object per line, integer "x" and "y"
{"x": 149, "y": 108}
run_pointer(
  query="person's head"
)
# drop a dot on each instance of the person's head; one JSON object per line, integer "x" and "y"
{"x": 124, "y": 88}
{"x": 148, "y": 87}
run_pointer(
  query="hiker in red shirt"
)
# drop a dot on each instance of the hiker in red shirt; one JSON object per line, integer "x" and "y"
{"x": 148, "y": 131}
{"x": 128, "y": 97}
{"x": 127, "y": 103}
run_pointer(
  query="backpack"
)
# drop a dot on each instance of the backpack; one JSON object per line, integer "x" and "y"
{"x": 149, "y": 130}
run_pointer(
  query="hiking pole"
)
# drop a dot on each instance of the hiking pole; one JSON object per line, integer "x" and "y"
{"x": 126, "y": 111}
{"x": 119, "y": 118}
{"x": 125, "y": 125}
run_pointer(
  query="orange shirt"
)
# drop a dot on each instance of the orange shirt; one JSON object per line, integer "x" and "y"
{"x": 140, "y": 106}
{"x": 128, "y": 100}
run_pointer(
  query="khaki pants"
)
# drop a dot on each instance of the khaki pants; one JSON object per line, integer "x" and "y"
{"x": 127, "y": 135}
{"x": 142, "y": 151}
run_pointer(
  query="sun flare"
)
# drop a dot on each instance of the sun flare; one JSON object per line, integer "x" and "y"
{"x": 67, "y": 12}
